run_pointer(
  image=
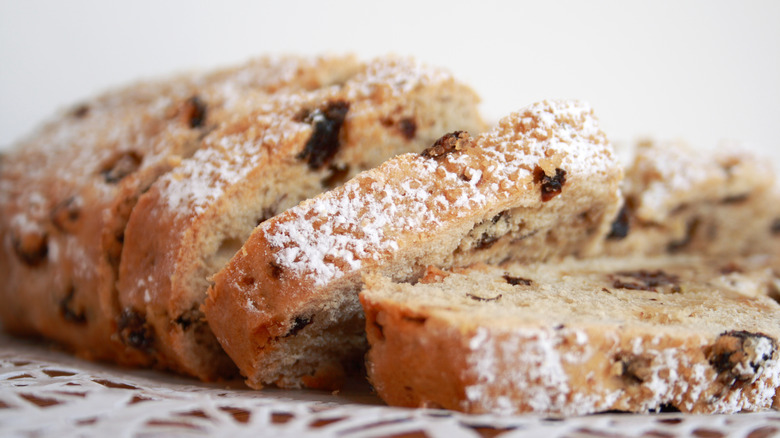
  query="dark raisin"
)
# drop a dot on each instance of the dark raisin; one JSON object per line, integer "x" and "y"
{"x": 134, "y": 331}
{"x": 620, "y": 226}
{"x": 646, "y": 280}
{"x": 68, "y": 312}
{"x": 186, "y": 319}
{"x": 32, "y": 248}
{"x": 408, "y": 128}
{"x": 482, "y": 299}
{"x": 736, "y": 199}
{"x": 731, "y": 268}
{"x": 338, "y": 175}
{"x": 447, "y": 144}
{"x": 65, "y": 214}
{"x": 516, "y": 281}
{"x": 690, "y": 232}
{"x": 276, "y": 270}
{"x": 635, "y": 368}
{"x": 667, "y": 408}
{"x": 80, "y": 111}
{"x": 194, "y": 112}
{"x": 298, "y": 324}
{"x": 775, "y": 228}
{"x": 738, "y": 355}
{"x": 486, "y": 241}
{"x": 550, "y": 186}
{"x": 121, "y": 166}
{"x": 324, "y": 141}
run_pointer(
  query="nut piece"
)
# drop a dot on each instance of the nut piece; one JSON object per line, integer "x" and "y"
{"x": 447, "y": 144}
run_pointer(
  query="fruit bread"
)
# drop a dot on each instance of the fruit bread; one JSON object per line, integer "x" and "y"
{"x": 540, "y": 185}
{"x": 678, "y": 200}
{"x": 67, "y": 190}
{"x": 273, "y": 153}
{"x": 661, "y": 333}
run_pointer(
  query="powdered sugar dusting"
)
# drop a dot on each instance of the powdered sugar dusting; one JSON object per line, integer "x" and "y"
{"x": 363, "y": 221}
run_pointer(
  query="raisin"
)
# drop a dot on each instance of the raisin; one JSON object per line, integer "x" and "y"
{"x": 775, "y": 228}
{"x": 32, "y": 248}
{"x": 667, "y": 408}
{"x": 447, "y": 144}
{"x": 516, "y": 281}
{"x": 635, "y": 369}
{"x": 731, "y": 268}
{"x": 324, "y": 141}
{"x": 186, "y": 319}
{"x": 551, "y": 186}
{"x": 134, "y": 331}
{"x": 408, "y": 128}
{"x": 298, "y": 324}
{"x": 646, "y": 280}
{"x": 121, "y": 166}
{"x": 736, "y": 199}
{"x": 690, "y": 232}
{"x": 482, "y": 299}
{"x": 80, "y": 111}
{"x": 194, "y": 112}
{"x": 68, "y": 312}
{"x": 486, "y": 241}
{"x": 338, "y": 175}
{"x": 276, "y": 270}
{"x": 65, "y": 214}
{"x": 738, "y": 355}
{"x": 620, "y": 226}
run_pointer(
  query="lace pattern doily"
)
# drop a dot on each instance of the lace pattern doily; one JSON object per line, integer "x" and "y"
{"x": 44, "y": 392}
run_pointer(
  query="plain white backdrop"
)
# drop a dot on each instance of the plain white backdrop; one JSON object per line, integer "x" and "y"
{"x": 703, "y": 71}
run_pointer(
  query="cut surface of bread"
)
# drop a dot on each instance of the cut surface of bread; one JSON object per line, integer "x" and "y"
{"x": 540, "y": 185}
{"x": 273, "y": 153}
{"x": 680, "y": 200}
{"x": 66, "y": 191}
{"x": 628, "y": 334}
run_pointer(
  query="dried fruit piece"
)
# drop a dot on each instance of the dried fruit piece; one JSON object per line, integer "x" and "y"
{"x": 646, "y": 280}
{"x": 516, "y": 281}
{"x": 551, "y": 186}
{"x": 68, "y": 312}
{"x": 739, "y": 355}
{"x": 408, "y": 128}
{"x": 134, "y": 331}
{"x": 324, "y": 141}
{"x": 121, "y": 166}
{"x": 621, "y": 225}
{"x": 193, "y": 112}
{"x": 298, "y": 324}
{"x": 32, "y": 248}
{"x": 65, "y": 215}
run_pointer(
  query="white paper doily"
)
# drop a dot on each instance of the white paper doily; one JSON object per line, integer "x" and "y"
{"x": 44, "y": 392}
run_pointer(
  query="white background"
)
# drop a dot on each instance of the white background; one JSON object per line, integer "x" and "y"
{"x": 703, "y": 71}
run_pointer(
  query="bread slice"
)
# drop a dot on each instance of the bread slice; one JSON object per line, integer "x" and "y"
{"x": 679, "y": 200}
{"x": 66, "y": 191}
{"x": 629, "y": 334}
{"x": 542, "y": 184}
{"x": 280, "y": 150}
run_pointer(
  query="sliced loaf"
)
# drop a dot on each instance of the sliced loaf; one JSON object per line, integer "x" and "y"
{"x": 540, "y": 185}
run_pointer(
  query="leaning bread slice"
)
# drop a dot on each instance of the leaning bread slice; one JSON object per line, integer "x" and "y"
{"x": 541, "y": 184}
{"x": 678, "y": 200}
{"x": 581, "y": 337}
{"x": 272, "y": 153}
